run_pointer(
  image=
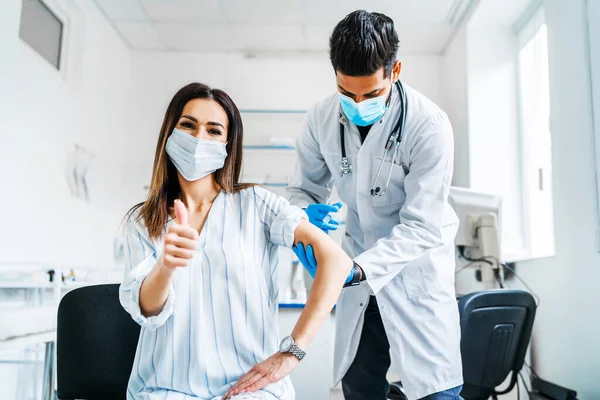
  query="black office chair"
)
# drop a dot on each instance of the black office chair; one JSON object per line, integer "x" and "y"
{"x": 96, "y": 343}
{"x": 496, "y": 329}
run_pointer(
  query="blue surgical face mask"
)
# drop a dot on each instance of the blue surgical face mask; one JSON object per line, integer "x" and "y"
{"x": 195, "y": 158}
{"x": 366, "y": 112}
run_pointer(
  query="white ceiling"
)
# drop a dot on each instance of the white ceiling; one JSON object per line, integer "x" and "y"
{"x": 424, "y": 26}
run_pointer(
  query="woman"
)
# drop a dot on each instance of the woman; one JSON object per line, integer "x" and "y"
{"x": 203, "y": 265}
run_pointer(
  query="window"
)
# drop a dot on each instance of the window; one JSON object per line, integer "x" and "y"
{"x": 536, "y": 145}
{"x": 42, "y": 30}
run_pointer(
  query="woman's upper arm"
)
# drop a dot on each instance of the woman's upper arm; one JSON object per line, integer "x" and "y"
{"x": 309, "y": 234}
{"x": 305, "y": 233}
{"x": 139, "y": 253}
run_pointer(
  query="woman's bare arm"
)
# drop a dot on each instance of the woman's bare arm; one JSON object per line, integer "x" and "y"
{"x": 334, "y": 267}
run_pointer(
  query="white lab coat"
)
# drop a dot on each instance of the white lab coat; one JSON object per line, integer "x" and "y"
{"x": 402, "y": 240}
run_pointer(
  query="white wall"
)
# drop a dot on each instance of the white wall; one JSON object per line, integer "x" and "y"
{"x": 45, "y": 113}
{"x": 566, "y": 348}
{"x": 455, "y": 87}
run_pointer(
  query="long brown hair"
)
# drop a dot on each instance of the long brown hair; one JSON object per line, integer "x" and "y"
{"x": 165, "y": 188}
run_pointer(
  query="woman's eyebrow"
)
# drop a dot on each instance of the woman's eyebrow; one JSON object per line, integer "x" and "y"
{"x": 190, "y": 117}
{"x": 215, "y": 123}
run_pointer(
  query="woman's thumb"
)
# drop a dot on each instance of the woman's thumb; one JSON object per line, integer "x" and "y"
{"x": 181, "y": 213}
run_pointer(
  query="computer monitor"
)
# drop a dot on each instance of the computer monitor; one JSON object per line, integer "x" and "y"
{"x": 479, "y": 229}
{"x": 470, "y": 205}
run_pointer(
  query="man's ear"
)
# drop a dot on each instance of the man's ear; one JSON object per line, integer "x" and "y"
{"x": 396, "y": 70}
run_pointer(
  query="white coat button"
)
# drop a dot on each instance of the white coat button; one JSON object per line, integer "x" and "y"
{"x": 344, "y": 120}
{"x": 361, "y": 304}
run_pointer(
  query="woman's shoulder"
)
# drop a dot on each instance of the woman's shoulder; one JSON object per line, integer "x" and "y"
{"x": 133, "y": 223}
{"x": 133, "y": 216}
{"x": 262, "y": 193}
{"x": 259, "y": 199}
{"x": 247, "y": 192}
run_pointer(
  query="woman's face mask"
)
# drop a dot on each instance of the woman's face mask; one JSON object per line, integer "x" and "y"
{"x": 195, "y": 158}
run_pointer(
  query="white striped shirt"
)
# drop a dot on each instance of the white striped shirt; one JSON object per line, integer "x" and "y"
{"x": 220, "y": 318}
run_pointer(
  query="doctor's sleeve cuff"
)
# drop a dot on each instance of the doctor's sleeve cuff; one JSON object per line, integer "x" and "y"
{"x": 129, "y": 296}
{"x": 284, "y": 225}
{"x": 373, "y": 282}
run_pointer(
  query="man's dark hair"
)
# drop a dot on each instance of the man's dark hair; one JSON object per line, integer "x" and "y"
{"x": 362, "y": 43}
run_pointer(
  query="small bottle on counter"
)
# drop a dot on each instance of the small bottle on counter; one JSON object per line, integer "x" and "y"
{"x": 286, "y": 295}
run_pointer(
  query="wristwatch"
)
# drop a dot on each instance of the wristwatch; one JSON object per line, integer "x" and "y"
{"x": 289, "y": 346}
{"x": 356, "y": 276}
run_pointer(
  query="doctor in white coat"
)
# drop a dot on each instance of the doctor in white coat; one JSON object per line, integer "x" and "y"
{"x": 400, "y": 301}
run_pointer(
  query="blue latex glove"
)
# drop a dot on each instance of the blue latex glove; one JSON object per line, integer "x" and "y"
{"x": 318, "y": 215}
{"x": 307, "y": 258}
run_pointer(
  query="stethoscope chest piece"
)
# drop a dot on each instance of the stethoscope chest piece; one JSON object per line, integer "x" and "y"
{"x": 345, "y": 167}
{"x": 377, "y": 191}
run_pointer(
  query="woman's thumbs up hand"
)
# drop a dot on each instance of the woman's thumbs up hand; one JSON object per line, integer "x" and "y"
{"x": 180, "y": 241}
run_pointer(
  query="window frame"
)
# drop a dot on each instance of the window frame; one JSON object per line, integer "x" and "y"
{"x": 528, "y": 26}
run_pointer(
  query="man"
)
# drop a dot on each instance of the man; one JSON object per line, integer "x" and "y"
{"x": 400, "y": 305}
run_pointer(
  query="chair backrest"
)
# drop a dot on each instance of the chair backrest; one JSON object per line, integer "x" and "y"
{"x": 496, "y": 328}
{"x": 96, "y": 344}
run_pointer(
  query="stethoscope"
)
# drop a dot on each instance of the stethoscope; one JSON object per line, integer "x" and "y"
{"x": 395, "y": 137}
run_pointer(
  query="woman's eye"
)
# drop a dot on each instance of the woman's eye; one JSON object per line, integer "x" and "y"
{"x": 187, "y": 125}
{"x": 214, "y": 132}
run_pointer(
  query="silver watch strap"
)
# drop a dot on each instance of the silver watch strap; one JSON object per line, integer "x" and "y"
{"x": 297, "y": 351}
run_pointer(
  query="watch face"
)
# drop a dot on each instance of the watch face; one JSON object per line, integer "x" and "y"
{"x": 286, "y": 344}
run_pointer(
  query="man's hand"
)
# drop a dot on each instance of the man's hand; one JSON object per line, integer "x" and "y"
{"x": 272, "y": 370}
{"x": 306, "y": 255}
{"x": 318, "y": 215}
